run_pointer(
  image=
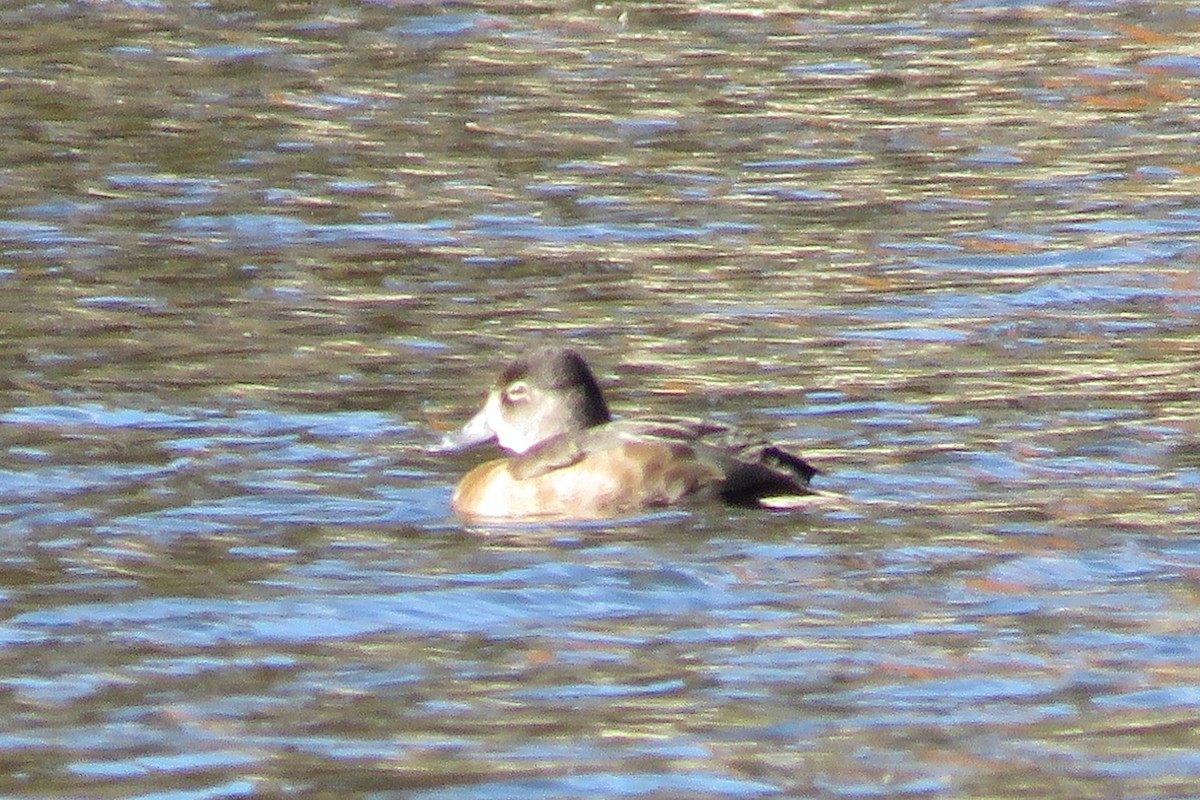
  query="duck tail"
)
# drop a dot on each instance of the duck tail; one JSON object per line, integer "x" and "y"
{"x": 782, "y": 459}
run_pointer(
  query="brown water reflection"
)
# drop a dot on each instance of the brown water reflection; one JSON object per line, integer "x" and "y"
{"x": 255, "y": 256}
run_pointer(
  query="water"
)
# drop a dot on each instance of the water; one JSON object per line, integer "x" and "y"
{"x": 255, "y": 258}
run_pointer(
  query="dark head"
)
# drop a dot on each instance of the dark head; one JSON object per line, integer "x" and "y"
{"x": 548, "y": 392}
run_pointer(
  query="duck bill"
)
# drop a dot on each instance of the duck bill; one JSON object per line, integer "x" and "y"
{"x": 477, "y": 431}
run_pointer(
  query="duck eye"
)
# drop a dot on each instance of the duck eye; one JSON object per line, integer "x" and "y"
{"x": 516, "y": 392}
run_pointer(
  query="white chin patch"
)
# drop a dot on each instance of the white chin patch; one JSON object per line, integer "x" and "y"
{"x": 507, "y": 436}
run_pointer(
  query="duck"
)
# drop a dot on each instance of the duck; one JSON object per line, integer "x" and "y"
{"x": 569, "y": 459}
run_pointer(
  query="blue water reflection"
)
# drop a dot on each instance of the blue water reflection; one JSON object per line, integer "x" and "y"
{"x": 257, "y": 258}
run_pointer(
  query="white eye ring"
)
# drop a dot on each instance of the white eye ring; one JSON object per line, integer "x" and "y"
{"x": 516, "y": 392}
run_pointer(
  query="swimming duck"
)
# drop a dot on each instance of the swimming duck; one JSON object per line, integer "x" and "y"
{"x": 572, "y": 460}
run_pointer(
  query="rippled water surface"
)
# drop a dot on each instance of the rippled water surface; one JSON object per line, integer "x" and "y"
{"x": 255, "y": 257}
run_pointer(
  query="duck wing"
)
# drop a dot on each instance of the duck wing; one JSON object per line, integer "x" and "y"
{"x": 738, "y": 466}
{"x": 752, "y": 468}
